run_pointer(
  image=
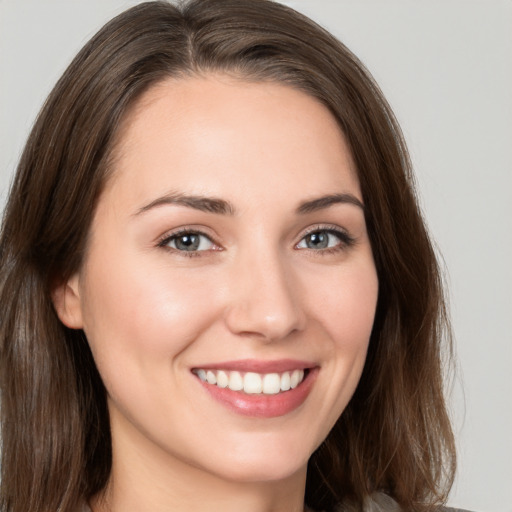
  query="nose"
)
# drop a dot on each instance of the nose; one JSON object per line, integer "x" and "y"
{"x": 264, "y": 300}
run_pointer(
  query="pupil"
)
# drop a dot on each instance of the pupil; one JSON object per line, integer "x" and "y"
{"x": 318, "y": 241}
{"x": 187, "y": 242}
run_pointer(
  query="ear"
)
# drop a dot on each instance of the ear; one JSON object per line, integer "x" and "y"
{"x": 66, "y": 300}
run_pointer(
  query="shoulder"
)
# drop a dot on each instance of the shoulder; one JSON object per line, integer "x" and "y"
{"x": 377, "y": 502}
{"x": 380, "y": 502}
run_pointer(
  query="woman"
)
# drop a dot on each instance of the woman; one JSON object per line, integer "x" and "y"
{"x": 218, "y": 291}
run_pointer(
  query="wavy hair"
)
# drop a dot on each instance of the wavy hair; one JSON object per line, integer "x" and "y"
{"x": 394, "y": 435}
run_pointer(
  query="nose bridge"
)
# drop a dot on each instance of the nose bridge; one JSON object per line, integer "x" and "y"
{"x": 263, "y": 302}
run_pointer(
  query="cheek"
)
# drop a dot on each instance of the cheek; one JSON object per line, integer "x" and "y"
{"x": 342, "y": 304}
{"x": 347, "y": 307}
{"x": 135, "y": 315}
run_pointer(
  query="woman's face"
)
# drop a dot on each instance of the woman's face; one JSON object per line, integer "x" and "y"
{"x": 229, "y": 245}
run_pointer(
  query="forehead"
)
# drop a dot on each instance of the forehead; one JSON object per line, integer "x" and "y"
{"x": 219, "y": 135}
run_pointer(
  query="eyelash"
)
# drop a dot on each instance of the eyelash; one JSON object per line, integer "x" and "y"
{"x": 168, "y": 238}
{"x": 346, "y": 241}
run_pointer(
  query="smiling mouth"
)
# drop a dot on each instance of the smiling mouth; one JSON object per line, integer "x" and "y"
{"x": 252, "y": 383}
{"x": 261, "y": 389}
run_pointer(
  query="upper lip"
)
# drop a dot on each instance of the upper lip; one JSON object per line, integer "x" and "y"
{"x": 259, "y": 366}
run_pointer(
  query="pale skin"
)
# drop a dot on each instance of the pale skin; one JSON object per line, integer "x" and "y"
{"x": 256, "y": 287}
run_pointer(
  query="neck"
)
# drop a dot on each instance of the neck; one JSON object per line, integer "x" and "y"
{"x": 144, "y": 477}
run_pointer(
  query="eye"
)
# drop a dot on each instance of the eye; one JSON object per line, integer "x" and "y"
{"x": 321, "y": 239}
{"x": 188, "y": 241}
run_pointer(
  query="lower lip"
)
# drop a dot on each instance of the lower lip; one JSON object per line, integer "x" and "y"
{"x": 261, "y": 405}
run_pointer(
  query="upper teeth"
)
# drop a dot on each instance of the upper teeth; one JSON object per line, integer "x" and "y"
{"x": 253, "y": 383}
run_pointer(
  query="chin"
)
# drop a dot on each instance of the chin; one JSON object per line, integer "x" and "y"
{"x": 268, "y": 471}
{"x": 263, "y": 462}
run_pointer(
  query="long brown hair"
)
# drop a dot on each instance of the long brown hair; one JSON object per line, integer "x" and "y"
{"x": 394, "y": 435}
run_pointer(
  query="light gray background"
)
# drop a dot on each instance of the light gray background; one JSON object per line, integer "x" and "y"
{"x": 446, "y": 68}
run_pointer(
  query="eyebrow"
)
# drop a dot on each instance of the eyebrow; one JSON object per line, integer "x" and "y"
{"x": 202, "y": 203}
{"x": 326, "y": 201}
{"x": 223, "y": 207}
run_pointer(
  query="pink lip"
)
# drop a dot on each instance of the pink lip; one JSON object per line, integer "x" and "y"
{"x": 261, "y": 405}
{"x": 259, "y": 366}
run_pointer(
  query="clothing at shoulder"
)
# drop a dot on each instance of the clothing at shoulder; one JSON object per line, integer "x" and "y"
{"x": 377, "y": 502}
{"x": 380, "y": 502}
